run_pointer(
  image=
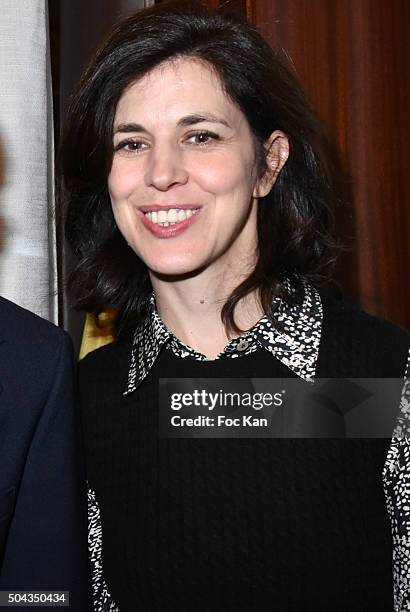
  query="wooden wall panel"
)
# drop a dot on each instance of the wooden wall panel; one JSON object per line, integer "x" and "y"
{"x": 353, "y": 59}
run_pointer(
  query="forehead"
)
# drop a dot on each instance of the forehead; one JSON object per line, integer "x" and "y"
{"x": 173, "y": 89}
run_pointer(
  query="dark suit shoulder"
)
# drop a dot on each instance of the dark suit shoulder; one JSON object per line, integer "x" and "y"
{"x": 22, "y": 327}
{"x": 31, "y": 349}
{"x": 366, "y": 345}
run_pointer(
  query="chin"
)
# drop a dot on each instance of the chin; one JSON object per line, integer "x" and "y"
{"x": 174, "y": 270}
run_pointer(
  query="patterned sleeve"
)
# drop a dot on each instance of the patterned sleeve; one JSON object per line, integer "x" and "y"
{"x": 396, "y": 477}
{"x": 102, "y": 600}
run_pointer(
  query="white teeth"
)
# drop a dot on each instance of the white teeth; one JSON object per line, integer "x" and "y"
{"x": 171, "y": 216}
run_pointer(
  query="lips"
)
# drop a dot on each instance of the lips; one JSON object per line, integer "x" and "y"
{"x": 156, "y": 207}
{"x": 170, "y": 231}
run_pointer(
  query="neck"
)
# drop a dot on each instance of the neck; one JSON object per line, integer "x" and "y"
{"x": 191, "y": 309}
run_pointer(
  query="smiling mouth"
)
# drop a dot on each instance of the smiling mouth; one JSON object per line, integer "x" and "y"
{"x": 164, "y": 218}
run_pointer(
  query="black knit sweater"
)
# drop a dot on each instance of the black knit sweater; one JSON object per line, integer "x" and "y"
{"x": 241, "y": 524}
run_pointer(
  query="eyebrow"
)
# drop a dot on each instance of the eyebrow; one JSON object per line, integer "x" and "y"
{"x": 183, "y": 122}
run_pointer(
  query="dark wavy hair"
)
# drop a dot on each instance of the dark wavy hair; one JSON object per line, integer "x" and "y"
{"x": 295, "y": 220}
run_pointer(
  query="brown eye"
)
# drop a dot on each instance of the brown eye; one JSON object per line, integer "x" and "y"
{"x": 133, "y": 146}
{"x": 130, "y": 146}
{"x": 203, "y": 138}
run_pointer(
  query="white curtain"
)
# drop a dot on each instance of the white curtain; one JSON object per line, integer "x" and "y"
{"x": 27, "y": 229}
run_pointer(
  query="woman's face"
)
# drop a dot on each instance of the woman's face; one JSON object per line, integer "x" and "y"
{"x": 183, "y": 181}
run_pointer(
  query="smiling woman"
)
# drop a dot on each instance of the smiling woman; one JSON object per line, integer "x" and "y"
{"x": 199, "y": 201}
{"x": 183, "y": 183}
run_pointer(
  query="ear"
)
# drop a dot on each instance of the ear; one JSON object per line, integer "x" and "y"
{"x": 277, "y": 153}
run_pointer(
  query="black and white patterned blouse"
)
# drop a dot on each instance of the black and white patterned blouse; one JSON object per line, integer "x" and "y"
{"x": 295, "y": 342}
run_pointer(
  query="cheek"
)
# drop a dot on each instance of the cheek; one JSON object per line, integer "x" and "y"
{"x": 122, "y": 180}
{"x": 118, "y": 193}
{"x": 226, "y": 177}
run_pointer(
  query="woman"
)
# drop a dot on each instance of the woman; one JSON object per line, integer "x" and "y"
{"x": 199, "y": 203}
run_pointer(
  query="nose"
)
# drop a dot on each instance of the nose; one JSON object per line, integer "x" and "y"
{"x": 165, "y": 168}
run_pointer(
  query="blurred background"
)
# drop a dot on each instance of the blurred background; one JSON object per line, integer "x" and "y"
{"x": 353, "y": 60}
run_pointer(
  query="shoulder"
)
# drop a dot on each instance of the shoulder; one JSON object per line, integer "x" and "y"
{"x": 362, "y": 344}
{"x": 36, "y": 360}
{"x": 28, "y": 335}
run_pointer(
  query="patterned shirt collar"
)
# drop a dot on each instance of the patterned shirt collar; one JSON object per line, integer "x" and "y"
{"x": 295, "y": 341}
